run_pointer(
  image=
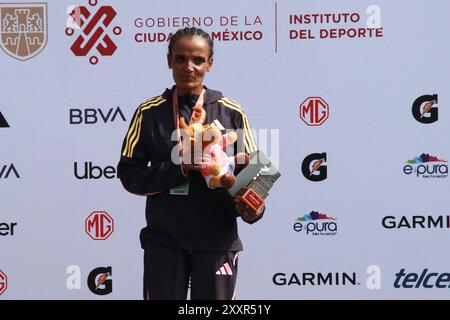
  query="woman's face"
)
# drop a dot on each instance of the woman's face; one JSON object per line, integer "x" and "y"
{"x": 189, "y": 63}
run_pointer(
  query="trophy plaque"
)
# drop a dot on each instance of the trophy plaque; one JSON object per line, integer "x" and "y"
{"x": 253, "y": 184}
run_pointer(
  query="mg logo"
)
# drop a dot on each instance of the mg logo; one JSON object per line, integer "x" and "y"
{"x": 23, "y": 29}
{"x": 92, "y": 30}
{"x": 99, "y": 225}
{"x": 3, "y": 282}
{"x": 314, "y": 111}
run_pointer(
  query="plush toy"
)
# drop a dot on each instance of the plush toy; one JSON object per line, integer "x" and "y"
{"x": 218, "y": 171}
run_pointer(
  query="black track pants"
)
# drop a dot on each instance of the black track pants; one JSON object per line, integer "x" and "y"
{"x": 167, "y": 272}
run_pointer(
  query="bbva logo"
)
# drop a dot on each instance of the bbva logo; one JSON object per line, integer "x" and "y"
{"x": 3, "y": 122}
{"x": 7, "y": 170}
{"x": 92, "y": 116}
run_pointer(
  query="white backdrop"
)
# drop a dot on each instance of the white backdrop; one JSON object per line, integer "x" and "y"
{"x": 369, "y": 84}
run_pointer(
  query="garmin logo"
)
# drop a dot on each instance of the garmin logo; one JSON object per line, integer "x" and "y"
{"x": 416, "y": 222}
{"x": 316, "y": 279}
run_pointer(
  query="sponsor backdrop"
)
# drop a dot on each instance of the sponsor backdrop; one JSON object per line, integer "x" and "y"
{"x": 350, "y": 100}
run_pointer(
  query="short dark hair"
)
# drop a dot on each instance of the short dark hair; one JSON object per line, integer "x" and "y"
{"x": 190, "y": 32}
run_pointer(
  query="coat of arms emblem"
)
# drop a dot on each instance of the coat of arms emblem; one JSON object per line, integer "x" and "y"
{"x": 23, "y": 29}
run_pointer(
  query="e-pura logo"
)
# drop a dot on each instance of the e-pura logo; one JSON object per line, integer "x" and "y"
{"x": 426, "y": 166}
{"x": 316, "y": 224}
{"x": 92, "y": 29}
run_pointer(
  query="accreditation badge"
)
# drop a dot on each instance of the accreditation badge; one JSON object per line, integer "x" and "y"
{"x": 181, "y": 190}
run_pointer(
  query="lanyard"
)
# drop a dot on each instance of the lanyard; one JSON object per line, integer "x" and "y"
{"x": 200, "y": 101}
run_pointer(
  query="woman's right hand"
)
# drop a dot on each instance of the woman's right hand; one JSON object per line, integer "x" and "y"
{"x": 196, "y": 163}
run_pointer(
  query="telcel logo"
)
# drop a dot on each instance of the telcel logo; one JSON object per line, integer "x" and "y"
{"x": 426, "y": 279}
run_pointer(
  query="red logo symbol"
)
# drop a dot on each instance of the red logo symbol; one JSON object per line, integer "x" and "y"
{"x": 314, "y": 111}
{"x": 92, "y": 30}
{"x": 99, "y": 225}
{"x": 3, "y": 282}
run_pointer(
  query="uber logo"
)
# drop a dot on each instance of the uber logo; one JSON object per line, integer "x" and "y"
{"x": 7, "y": 229}
{"x": 94, "y": 172}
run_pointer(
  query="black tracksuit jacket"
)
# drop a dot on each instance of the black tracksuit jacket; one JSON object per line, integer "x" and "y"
{"x": 206, "y": 218}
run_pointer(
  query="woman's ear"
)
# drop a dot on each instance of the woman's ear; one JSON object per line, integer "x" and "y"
{"x": 211, "y": 61}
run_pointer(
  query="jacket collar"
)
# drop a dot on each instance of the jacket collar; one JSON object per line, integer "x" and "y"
{"x": 212, "y": 96}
